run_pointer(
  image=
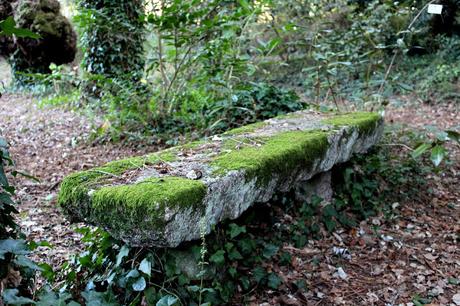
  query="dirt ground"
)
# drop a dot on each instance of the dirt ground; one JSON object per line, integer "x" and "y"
{"x": 416, "y": 256}
{"x": 50, "y": 143}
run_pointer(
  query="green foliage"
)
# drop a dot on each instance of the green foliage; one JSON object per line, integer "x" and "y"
{"x": 16, "y": 270}
{"x": 254, "y": 102}
{"x": 198, "y": 45}
{"x": 204, "y": 66}
{"x": 111, "y": 36}
{"x": 59, "y": 87}
{"x": 433, "y": 77}
{"x": 196, "y": 68}
{"x": 8, "y": 28}
{"x": 342, "y": 52}
{"x": 435, "y": 141}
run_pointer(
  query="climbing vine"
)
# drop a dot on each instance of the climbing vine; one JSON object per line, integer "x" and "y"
{"x": 111, "y": 37}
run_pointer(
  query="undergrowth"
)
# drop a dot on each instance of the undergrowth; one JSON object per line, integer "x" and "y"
{"x": 236, "y": 260}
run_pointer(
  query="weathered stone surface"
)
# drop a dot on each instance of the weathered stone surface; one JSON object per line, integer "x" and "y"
{"x": 169, "y": 197}
{"x": 320, "y": 185}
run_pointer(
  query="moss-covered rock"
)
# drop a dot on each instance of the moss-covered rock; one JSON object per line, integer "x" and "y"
{"x": 281, "y": 154}
{"x": 162, "y": 198}
{"x": 365, "y": 122}
{"x": 58, "y": 39}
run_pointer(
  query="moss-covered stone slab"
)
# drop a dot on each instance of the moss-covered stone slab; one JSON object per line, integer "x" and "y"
{"x": 168, "y": 197}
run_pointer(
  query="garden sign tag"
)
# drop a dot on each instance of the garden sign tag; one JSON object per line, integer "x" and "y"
{"x": 435, "y": 9}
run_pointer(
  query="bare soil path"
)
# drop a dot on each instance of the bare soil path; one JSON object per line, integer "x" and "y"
{"x": 417, "y": 255}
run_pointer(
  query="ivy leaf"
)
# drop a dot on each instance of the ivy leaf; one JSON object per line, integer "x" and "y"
{"x": 23, "y": 261}
{"x": 218, "y": 257}
{"x": 149, "y": 295}
{"x": 273, "y": 281}
{"x": 10, "y": 296}
{"x": 47, "y": 271}
{"x": 146, "y": 267}
{"x": 247, "y": 245}
{"x": 16, "y": 247}
{"x": 437, "y": 155}
{"x": 270, "y": 250}
{"x": 139, "y": 284}
{"x": 3, "y": 143}
{"x": 420, "y": 150}
{"x": 453, "y": 135}
{"x": 3, "y": 179}
{"x": 124, "y": 251}
{"x": 6, "y": 199}
{"x": 234, "y": 255}
{"x": 259, "y": 273}
{"x": 133, "y": 274}
{"x": 51, "y": 298}
{"x": 167, "y": 300}
{"x": 194, "y": 288}
{"x": 235, "y": 230}
{"x": 245, "y": 282}
{"x": 94, "y": 298}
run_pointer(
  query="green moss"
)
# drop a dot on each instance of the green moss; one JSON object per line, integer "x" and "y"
{"x": 75, "y": 187}
{"x": 364, "y": 121}
{"x": 250, "y": 128}
{"x": 290, "y": 116}
{"x": 143, "y": 204}
{"x": 193, "y": 145}
{"x": 245, "y": 129}
{"x": 281, "y": 154}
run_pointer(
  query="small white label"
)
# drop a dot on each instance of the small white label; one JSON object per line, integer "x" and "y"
{"x": 435, "y": 9}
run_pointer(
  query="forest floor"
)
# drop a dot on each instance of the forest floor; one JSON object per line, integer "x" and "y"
{"x": 404, "y": 261}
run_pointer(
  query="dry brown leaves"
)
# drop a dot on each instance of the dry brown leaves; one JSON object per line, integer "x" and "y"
{"x": 50, "y": 143}
{"x": 387, "y": 262}
{"x": 380, "y": 263}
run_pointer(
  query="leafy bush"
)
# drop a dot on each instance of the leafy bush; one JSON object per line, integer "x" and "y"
{"x": 255, "y": 102}
{"x": 111, "y": 36}
{"x": 435, "y": 77}
{"x": 133, "y": 107}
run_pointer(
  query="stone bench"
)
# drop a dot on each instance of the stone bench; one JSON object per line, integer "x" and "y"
{"x": 165, "y": 198}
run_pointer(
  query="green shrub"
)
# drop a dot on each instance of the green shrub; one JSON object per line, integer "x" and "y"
{"x": 112, "y": 37}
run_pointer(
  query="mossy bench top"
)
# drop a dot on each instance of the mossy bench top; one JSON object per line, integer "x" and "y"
{"x": 161, "y": 199}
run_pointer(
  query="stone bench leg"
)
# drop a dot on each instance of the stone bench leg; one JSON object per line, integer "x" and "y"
{"x": 319, "y": 185}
